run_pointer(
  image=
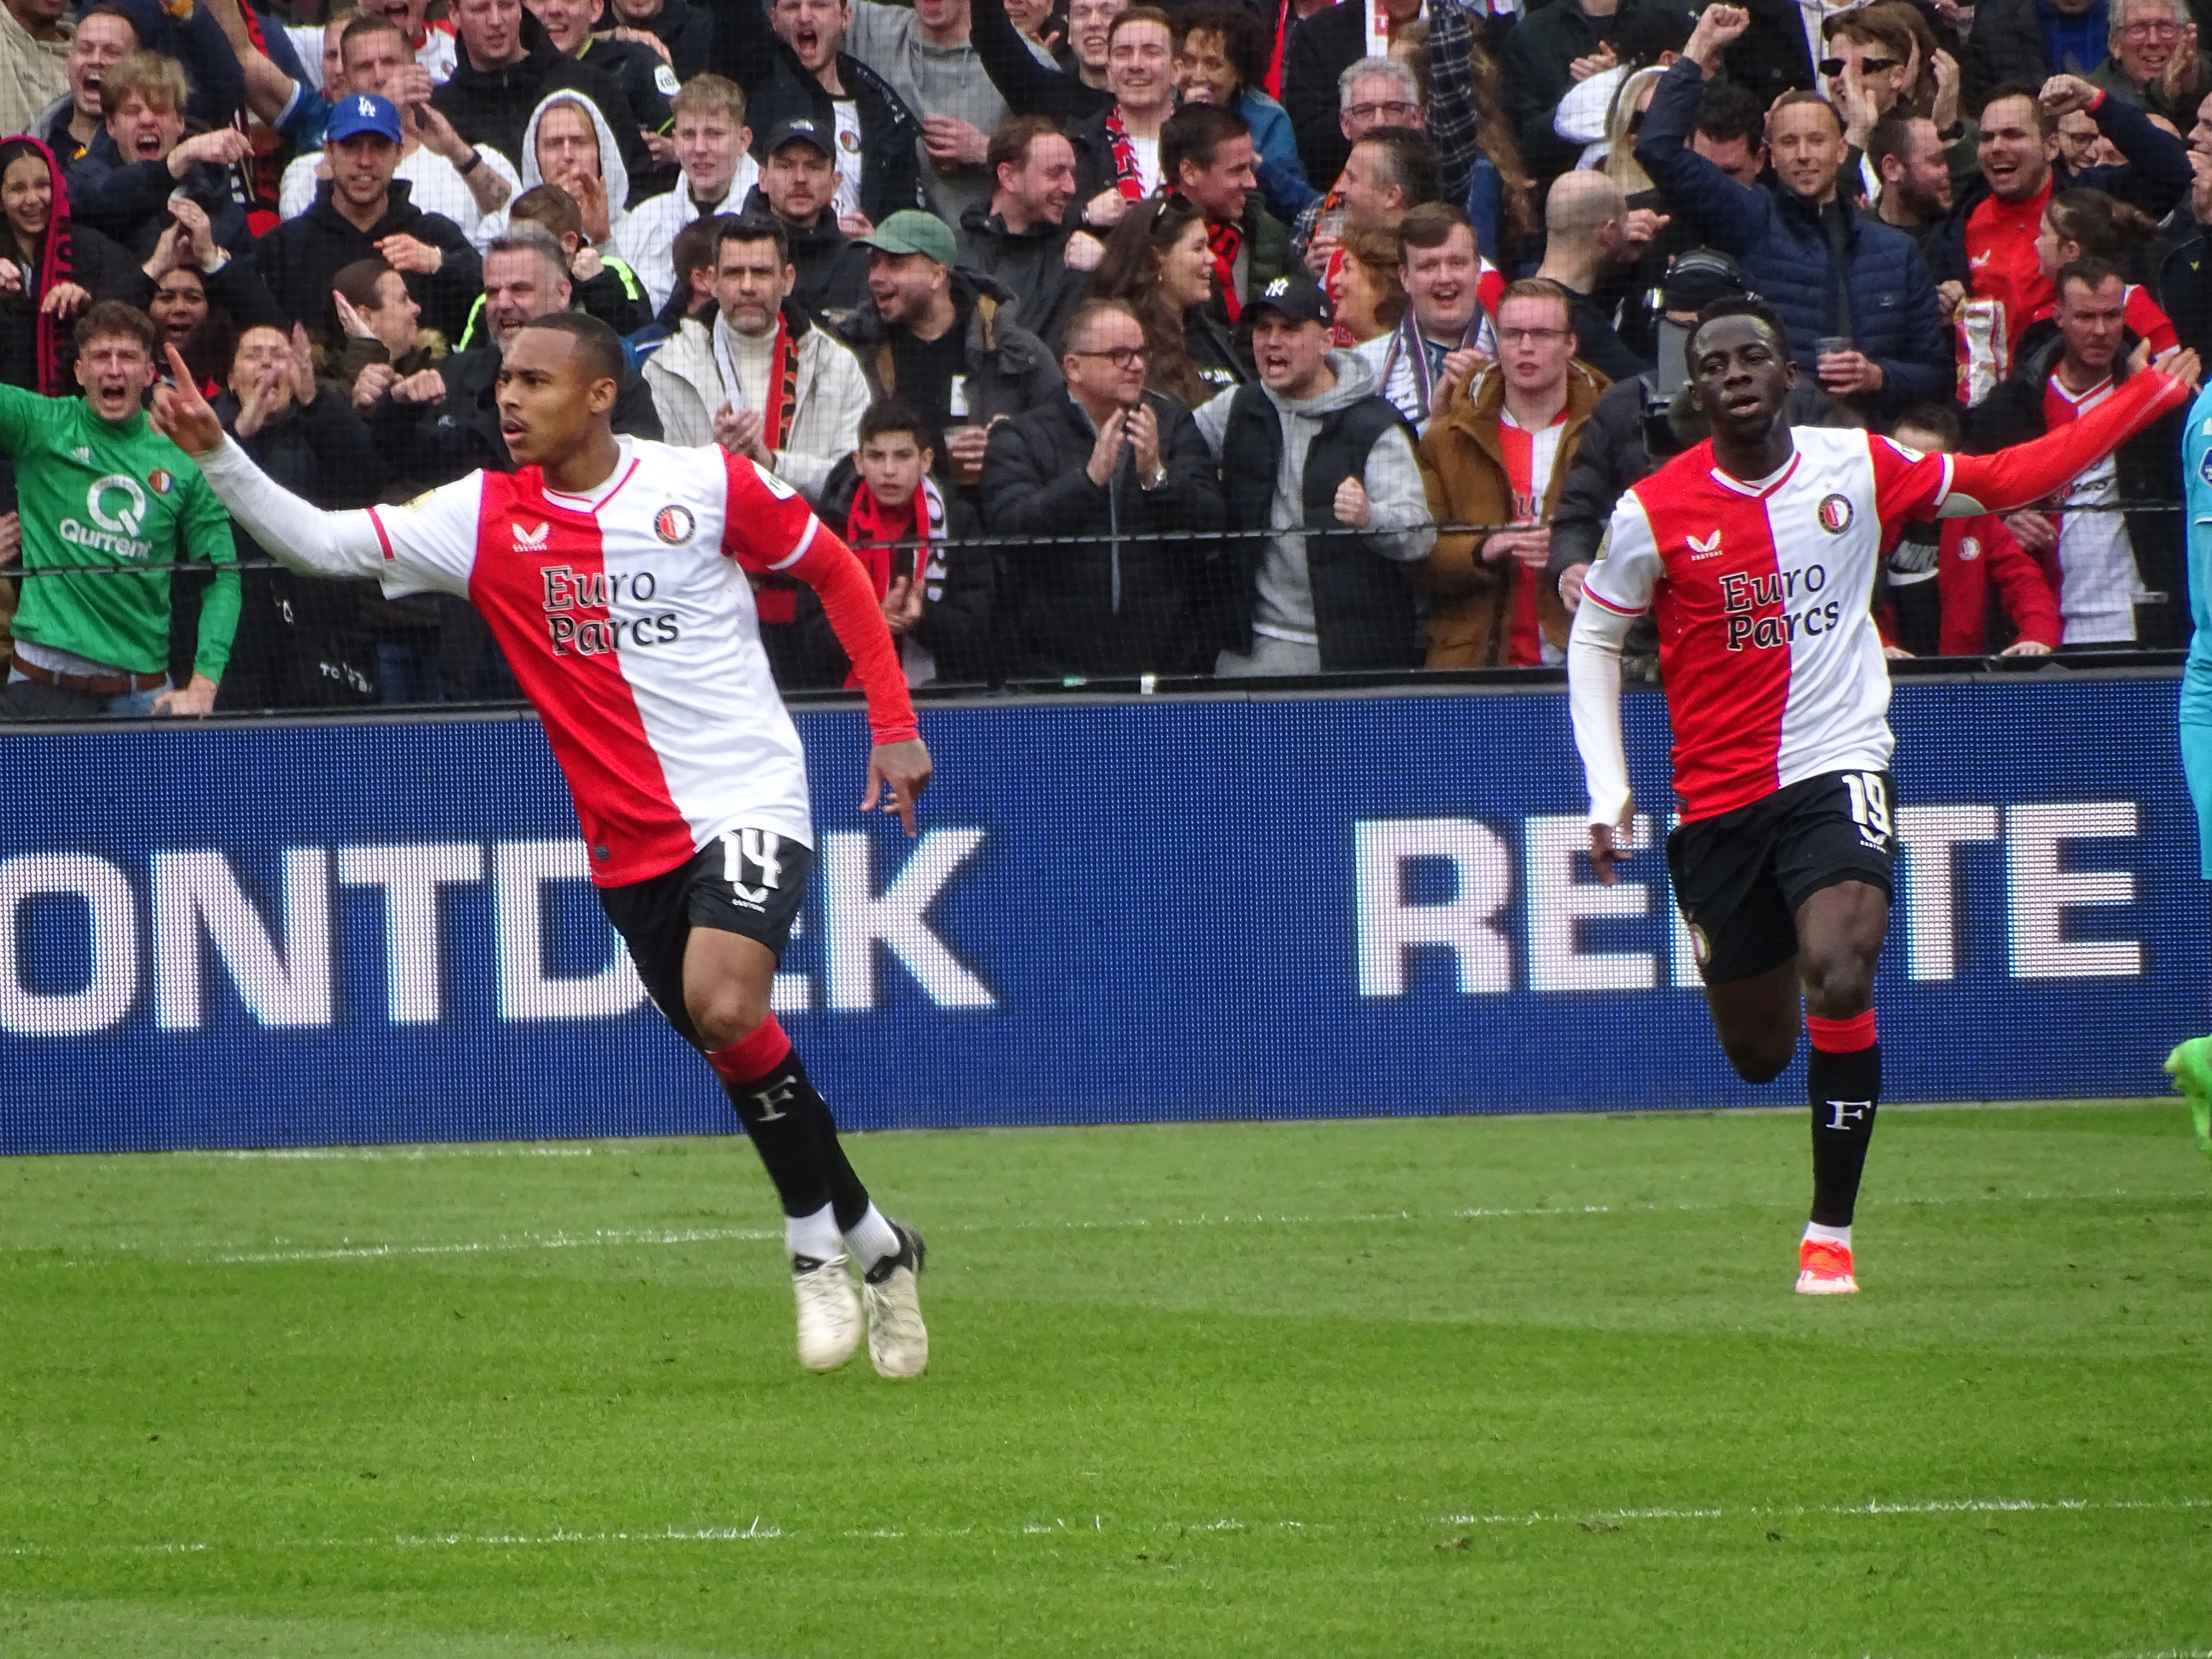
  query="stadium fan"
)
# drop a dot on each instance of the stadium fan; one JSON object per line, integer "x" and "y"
{"x": 1374, "y": 92}
{"x": 1318, "y": 60}
{"x": 942, "y": 340}
{"x": 374, "y": 324}
{"x": 688, "y": 31}
{"x": 2189, "y": 1065}
{"x": 141, "y": 160}
{"x": 1117, "y": 150}
{"x": 1857, "y": 298}
{"x": 1988, "y": 243}
{"x": 34, "y": 44}
{"x": 2079, "y": 224}
{"x": 298, "y": 644}
{"x": 2118, "y": 574}
{"x": 1950, "y": 584}
{"x": 104, "y": 38}
{"x": 2153, "y": 59}
{"x": 506, "y": 69}
{"x": 1391, "y": 170}
{"x": 799, "y": 185}
{"x": 201, "y": 299}
{"x": 1589, "y": 235}
{"x": 1444, "y": 334}
{"x": 88, "y": 642}
{"x": 467, "y": 183}
{"x": 362, "y": 209}
{"x": 643, "y": 74}
{"x": 938, "y": 599}
{"x": 1499, "y": 455}
{"x": 434, "y": 44}
{"x": 1221, "y": 59}
{"x": 692, "y": 260}
{"x": 1160, "y": 264}
{"x": 568, "y": 142}
{"x": 49, "y": 270}
{"x": 1106, "y": 460}
{"x": 1371, "y": 302}
{"x": 601, "y": 284}
{"x": 702, "y": 873}
{"x": 1758, "y": 549}
{"x": 439, "y": 423}
{"x": 1207, "y": 156}
{"x": 762, "y": 379}
{"x": 711, "y": 140}
{"x": 1022, "y": 237}
{"x": 794, "y": 64}
{"x": 1032, "y": 81}
{"x": 1319, "y": 474}
{"x": 1913, "y": 174}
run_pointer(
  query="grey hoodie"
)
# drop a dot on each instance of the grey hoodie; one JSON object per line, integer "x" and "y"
{"x": 1400, "y": 525}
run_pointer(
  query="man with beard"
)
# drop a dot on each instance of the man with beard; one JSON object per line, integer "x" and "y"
{"x": 1914, "y": 171}
{"x": 800, "y": 182}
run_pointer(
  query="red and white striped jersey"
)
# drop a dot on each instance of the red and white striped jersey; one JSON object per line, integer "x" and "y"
{"x": 1771, "y": 660}
{"x": 628, "y": 620}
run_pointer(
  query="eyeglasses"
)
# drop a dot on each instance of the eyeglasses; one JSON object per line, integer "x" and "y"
{"x": 1832, "y": 67}
{"x": 1533, "y": 336}
{"x": 1123, "y": 357}
{"x": 1395, "y": 114}
{"x": 2149, "y": 30}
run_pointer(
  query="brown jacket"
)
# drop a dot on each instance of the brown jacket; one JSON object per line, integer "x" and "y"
{"x": 1463, "y": 465}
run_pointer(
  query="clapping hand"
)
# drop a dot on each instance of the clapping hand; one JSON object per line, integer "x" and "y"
{"x": 1106, "y": 453}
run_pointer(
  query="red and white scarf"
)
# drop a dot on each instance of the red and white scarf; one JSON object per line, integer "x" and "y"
{"x": 782, "y": 381}
{"x": 871, "y": 528}
{"x": 1129, "y": 175}
{"x": 1226, "y": 241}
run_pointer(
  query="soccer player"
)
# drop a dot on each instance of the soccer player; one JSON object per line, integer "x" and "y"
{"x": 613, "y": 573}
{"x": 1758, "y": 548}
{"x": 2191, "y": 1062}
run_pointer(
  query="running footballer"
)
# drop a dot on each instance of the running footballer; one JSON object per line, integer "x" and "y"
{"x": 613, "y": 573}
{"x": 1757, "y": 549}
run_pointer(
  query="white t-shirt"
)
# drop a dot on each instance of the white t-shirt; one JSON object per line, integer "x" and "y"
{"x": 848, "y": 154}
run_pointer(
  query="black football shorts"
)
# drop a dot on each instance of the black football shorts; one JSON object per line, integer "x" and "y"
{"x": 749, "y": 881}
{"x": 1740, "y": 877}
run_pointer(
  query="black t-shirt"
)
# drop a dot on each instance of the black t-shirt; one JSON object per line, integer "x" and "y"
{"x": 925, "y": 370}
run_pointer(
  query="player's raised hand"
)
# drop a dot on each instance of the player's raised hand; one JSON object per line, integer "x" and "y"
{"x": 900, "y": 770}
{"x": 182, "y": 416}
{"x": 1608, "y": 847}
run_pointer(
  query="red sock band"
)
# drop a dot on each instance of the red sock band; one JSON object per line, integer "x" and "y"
{"x": 1841, "y": 1037}
{"x": 755, "y": 1055}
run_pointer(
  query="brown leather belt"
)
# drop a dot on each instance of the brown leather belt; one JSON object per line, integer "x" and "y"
{"x": 94, "y": 685}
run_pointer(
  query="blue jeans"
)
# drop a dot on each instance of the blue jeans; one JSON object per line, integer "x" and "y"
{"x": 129, "y": 704}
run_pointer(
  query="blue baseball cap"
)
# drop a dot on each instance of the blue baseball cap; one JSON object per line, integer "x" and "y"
{"x": 361, "y": 111}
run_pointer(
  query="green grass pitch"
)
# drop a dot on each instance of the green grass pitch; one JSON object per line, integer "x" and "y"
{"x": 1456, "y": 1387}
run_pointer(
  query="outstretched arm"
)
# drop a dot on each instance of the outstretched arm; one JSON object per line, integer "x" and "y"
{"x": 2027, "y": 472}
{"x": 302, "y": 536}
{"x": 899, "y": 762}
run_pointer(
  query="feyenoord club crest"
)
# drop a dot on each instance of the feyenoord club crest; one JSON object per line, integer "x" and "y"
{"x": 1835, "y": 515}
{"x": 162, "y": 481}
{"x": 673, "y": 525}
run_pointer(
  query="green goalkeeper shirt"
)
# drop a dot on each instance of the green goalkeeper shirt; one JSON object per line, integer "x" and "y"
{"x": 117, "y": 497}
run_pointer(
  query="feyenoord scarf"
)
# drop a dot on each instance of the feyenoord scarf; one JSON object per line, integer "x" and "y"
{"x": 1225, "y": 241}
{"x": 870, "y": 525}
{"x": 782, "y": 381}
{"x": 1129, "y": 177}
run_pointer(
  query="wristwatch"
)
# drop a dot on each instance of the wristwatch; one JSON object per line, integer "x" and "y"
{"x": 1159, "y": 476}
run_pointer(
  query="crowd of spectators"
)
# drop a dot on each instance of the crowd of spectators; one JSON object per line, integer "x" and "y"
{"x": 1227, "y": 336}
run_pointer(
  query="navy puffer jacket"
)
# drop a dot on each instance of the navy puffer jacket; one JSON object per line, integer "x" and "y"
{"x": 1779, "y": 239}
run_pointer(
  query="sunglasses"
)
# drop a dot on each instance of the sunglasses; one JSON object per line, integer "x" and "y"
{"x": 1832, "y": 67}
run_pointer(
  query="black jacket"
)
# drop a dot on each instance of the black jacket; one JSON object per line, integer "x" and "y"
{"x": 298, "y": 258}
{"x": 493, "y": 106}
{"x": 1028, "y": 87}
{"x": 130, "y": 200}
{"x": 1112, "y": 607}
{"x": 832, "y": 268}
{"x": 1008, "y": 368}
{"x": 958, "y": 627}
{"x": 1771, "y": 58}
{"x": 647, "y": 84}
{"x": 1032, "y": 266}
{"x": 450, "y": 440}
{"x": 99, "y": 266}
{"x": 2150, "y": 466}
{"x": 778, "y": 88}
{"x": 2006, "y": 45}
{"x": 1322, "y": 47}
{"x": 688, "y": 32}
{"x": 1534, "y": 70}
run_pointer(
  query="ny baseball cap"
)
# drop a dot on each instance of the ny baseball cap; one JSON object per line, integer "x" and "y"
{"x": 361, "y": 111}
{"x": 800, "y": 130}
{"x": 912, "y": 231}
{"x": 1298, "y": 298}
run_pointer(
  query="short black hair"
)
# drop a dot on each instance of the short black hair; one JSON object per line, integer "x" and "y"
{"x": 2089, "y": 270}
{"x": 1743, "y": 305}
{"x": 1893, "y": 136}
{"x": 753, "y": 227}
{"x": 889, "y": 415}
{"x": 2004, "y": 89}
{"x": 1933, "y": 419}
{"x": 1728, "y": 111}
{"x": 599, "y": 346}
{"x": 1194, "y": 133}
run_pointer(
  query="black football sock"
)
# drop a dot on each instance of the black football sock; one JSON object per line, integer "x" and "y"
{"x": 1843, "y": 1075}
{"x": 762, "y": 1075}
